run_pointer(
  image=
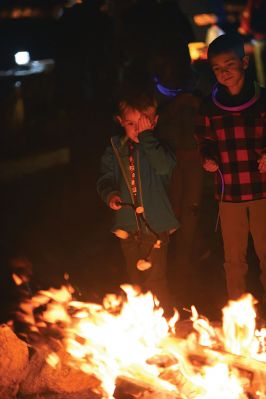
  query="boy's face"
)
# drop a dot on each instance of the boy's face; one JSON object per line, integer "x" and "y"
{"x": 229, "y": 70}
{"x": 130, "y": 119}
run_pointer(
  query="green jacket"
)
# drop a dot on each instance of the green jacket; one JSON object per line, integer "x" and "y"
{"x": 154, "y": 163}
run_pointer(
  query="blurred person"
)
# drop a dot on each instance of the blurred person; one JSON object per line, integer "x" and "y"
{"x": 178, "y": 103}
{"x": 231, "y": 134}
{"x": 84, "y": 54}
{"x": 136, "y": 170}
{"x": 252, "y": 25}
{"x": 140, "y": 24}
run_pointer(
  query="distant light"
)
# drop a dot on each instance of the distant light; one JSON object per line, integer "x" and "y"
{"x": 22, "y": 57}
{"x": 197, "y": 50}
{"x": 71, "y": 3}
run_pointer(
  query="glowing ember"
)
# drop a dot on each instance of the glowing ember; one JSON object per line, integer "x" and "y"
{"x": 128, "y": 336}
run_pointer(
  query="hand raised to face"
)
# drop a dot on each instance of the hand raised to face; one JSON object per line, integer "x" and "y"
{"x": 145, "y": 123}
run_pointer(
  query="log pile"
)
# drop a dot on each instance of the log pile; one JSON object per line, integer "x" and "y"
{"x": 25, "y": 373}
{"x": 79, "y": 395}
{"x": 130, "y": 388}
{"x": 251, "y": 372}
{"x": 13, "y": 362}
{"x": 42, "y": 377}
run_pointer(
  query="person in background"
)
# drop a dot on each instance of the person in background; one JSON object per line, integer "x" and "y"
{"x": 252, "y": 25}
{"x": 138, "y": 25}
{"x": 135, "y": 174}
{"x": 231, "y": 135}
{"x": 178, "y": 102}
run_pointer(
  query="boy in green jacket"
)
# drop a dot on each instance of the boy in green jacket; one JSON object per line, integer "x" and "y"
{"x": 135, "y": 174}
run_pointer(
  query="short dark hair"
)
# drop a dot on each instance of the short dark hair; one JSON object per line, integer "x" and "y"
{"x": 225, "y": 43}
{"x": 136, "y": 91}
{"x": 139, "y": 102}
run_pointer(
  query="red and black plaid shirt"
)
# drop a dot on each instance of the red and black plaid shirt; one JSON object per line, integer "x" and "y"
{"x": 235, "y": 140}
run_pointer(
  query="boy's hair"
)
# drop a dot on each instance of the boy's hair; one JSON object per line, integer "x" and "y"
{"x": 226, "y": 43}
{"x": 135, "y": 95}
{"x": 140, "y": 103}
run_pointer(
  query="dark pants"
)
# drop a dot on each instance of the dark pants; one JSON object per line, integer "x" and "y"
{"x": 153, "y": 279}
{"x": 186, "y": 191}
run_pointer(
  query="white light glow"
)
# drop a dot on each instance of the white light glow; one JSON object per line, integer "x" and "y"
{"x": 22, "y": 57}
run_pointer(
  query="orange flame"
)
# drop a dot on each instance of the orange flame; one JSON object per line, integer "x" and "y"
{"x": 121, "y": 336}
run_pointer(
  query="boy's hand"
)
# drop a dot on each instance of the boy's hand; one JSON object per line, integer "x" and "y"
{"x": 114, "y": 202}
{"x": 262, "y": 164}
{"x": 145, "y": 124}
{"x": 210, "y": 166}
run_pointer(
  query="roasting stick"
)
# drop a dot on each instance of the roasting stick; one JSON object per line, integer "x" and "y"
{"x": 144, "y": 264}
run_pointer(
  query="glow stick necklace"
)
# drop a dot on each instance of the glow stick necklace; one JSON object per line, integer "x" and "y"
{"x": 241, "y": 107}
{"x": 165, "y": 90}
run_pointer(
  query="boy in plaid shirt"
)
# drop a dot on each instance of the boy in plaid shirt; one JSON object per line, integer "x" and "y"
{"x": 231, "y": 134}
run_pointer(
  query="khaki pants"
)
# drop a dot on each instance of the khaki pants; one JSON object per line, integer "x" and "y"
{"x": 237, "y": 220}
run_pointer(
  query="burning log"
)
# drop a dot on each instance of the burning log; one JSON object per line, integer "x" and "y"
{"x": 130, "y": 388}
{"x": 60, "y": 377}
{"x": 183, "y": 371}
{"x": 184, "y": 328}
{"x": 14, "y": 359}
{"x": 81, "y": 395}
{"x": 126, "y": 348}
{"x": 251, "y": 371}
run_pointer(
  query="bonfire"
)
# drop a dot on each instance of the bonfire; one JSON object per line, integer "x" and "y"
{"x": 125, "y": 348}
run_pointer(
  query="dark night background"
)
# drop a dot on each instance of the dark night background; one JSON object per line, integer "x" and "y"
{"x": 54, "y": 127}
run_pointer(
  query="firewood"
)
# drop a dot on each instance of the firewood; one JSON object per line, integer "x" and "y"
{"x": 252, "y": 371}
{"x": 14, "y": 359}
{"x": 81, "y": 395}
{"x": 130, "y": 388}
{"x": 41, "y": 377}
